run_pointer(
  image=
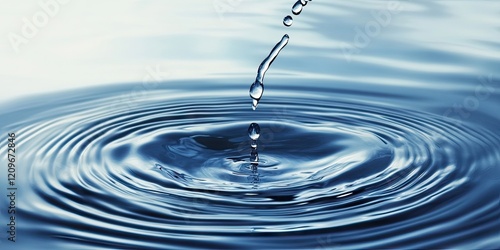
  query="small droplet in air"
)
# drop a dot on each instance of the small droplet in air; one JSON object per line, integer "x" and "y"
{"x": 254, "y": 104}
{"x": 303, "y": 2}
{"x": 254, "y": 131}
{"x": 287, "y": 21}
{"x": 297, "y": 7}
{"x": 253, "y": 144}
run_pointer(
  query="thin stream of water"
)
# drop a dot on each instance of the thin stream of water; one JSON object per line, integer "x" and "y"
{"x": 257, "y": 88}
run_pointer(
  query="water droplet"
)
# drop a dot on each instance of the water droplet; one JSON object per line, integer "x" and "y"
{"x": 253, "y": 144}
{"x": 287, "y": 21}
{"x": 256, "y": 90}
{"x": 297, "y": 7}
{"x": 254, "y": 131}
{"x": 254, "y": 156}
{"x": 254, "y": 104}
{"x": 303, "y": 2}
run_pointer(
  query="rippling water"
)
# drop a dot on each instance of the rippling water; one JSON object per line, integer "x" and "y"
{"x": 398, "y": 149}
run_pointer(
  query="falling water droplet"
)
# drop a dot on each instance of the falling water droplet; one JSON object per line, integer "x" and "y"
{"x": 254, "y": 104}
{"x": 297, "y": 7}
{"x": 254, "y": 131}
{"x": 287, "y": 21}
{"x": 256, "y": 91}
{"x": 303, "y": 2}
{"x": 253, "y": 144}
{"x": 254, "y": 156}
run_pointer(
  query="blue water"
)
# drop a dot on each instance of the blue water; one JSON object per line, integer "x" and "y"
{"x": 395, "y": 146}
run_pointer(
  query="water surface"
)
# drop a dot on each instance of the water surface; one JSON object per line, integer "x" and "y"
{"x": 390, "y": 145}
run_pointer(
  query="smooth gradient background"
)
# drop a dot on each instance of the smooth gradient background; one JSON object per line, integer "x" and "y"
{"x": 86, "y": 43}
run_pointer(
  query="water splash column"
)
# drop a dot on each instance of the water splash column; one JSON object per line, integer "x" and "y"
{"x": 257, "y": 88}
{"x": 254, "y": 134}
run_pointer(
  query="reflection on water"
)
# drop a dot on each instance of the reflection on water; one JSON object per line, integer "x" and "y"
{"x": 173, "y": 171}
